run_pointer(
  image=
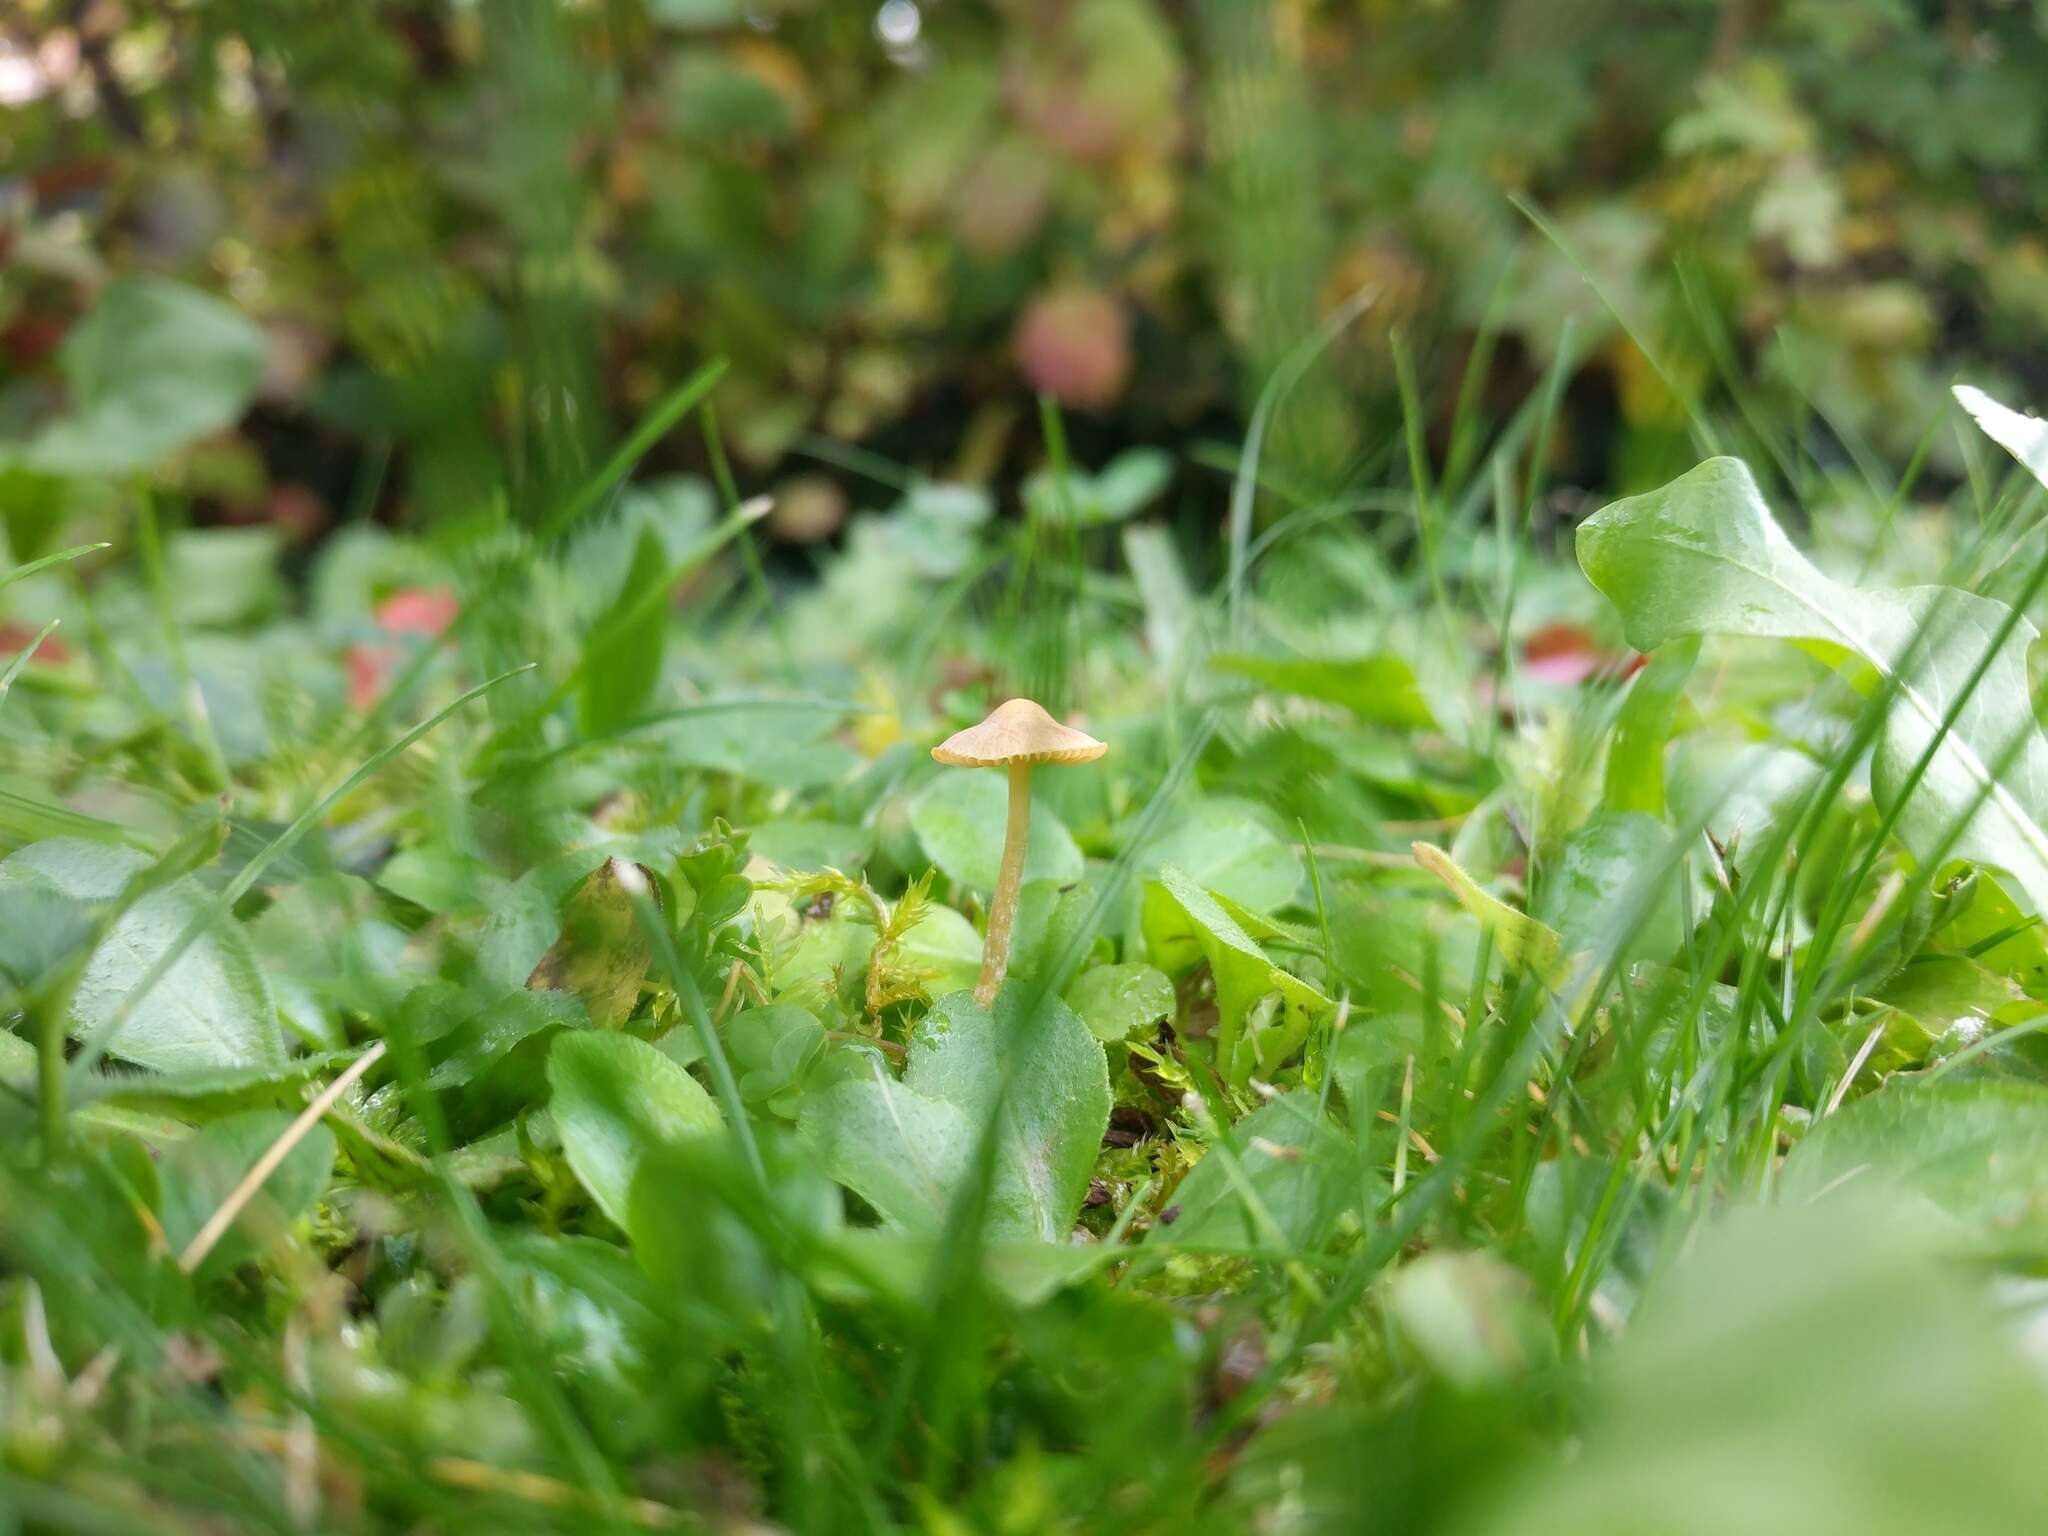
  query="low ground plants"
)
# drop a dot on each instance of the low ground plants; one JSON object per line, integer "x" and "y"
{"x": 1531, "y": 1025}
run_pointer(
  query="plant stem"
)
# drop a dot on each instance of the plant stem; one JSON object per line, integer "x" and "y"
{"x": 1002, "y": 910}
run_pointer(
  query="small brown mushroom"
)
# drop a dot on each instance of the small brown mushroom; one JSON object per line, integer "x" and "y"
{"x": 1018, "y": 736}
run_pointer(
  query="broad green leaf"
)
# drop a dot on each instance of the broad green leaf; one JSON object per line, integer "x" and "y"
{"x": 896, "y": 1262}
{"x": 1184, "y": 924}
{"x": 1115, "y": 1001}
{"x": 40, "y": 929}
{"x": 603, "y": 953}
{"x": 905, "y": 1147}
{"x": 797, "y": 844}
{"x": 1704, "y": 556}
{"x": 1377, "y": 688}
{"x": 1052, "y": 917}
{"x": 1226, "y": 846}
{"x": 1642, "y": 730}
{"x": 778, "y": 742}
{"x": 946, "y": 947}
{"x": 960, "y": 816}
{"x": 224, "y": 576}
{"x": 771, "y": 1049}
{"x": 445, "y": 881}
{"x": 212, "y": 1010}
{"x": 903, "y": 1153}
{"x": 1993, "y": 928}
{"x": 488, "y": 1030}
{"x": 526, "y": 914}
{"x": 816, "y": 952}
{"x": 1299, "y": 1168}
{"x": 935, "y": 528}
{"x": 1976, "y": 1149}
{"x": 1518, "y": 939}
{"x": 1944, "y": 992}
{"x": 616, "y": 1101}
{"x": 2024, "y": 437}
{"x": 152, "y": 367}
{"x": 593, "y": 1310}
{"x": 1743, "y": 792}
{"x": 200, "y": 1172}
{"x": 1594, "y": 892}
{"x": 1053, "y": 1115}
{"x": 1798, "y": 1370}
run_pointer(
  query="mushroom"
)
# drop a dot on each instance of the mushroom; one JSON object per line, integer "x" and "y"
{"x": 1017, "y": 735}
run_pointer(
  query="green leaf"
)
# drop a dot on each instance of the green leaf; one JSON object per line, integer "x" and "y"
{"x": 616, "y": 1101}
{"x": 800, "y": 845}
{"x": 1122, "y": 488}
{"x": 154, "y": 366}
{"x": 1115, "y": 1001}
{"x": 1226, "y": 846}
{"x": 1704, "y": 556}
{"x": 1050, "y": 918}
{"x": 1299, "y": 1168}
{"x": 631, "y": 633}
{"x": 1944, "y": 991}
{"x": 906, "y": 1147}
{"x": 487, "y": 1030}
{"x": 1053, "y": 1116}
{"x": 1797, "y": 1370}
{"x": 678, "y": 510}
{"x": 1642, "y": 730}
{"x": 220, "y": 577}
{"x": 772, "y": 1048}
{"x": 213, "y": 1009}
{"x": 1595, "y": 889}
{"x": 1184, "y": 924}
{"x": 200, "y": 1172}
{"x": 903, "y": 1153}
{"x": 1172, "y": 617}
{"x": 959, "y": 818}
{"x": 1376, "y": 688}
{"x": 776, "y": 742}
{"x": 1978, "y": 1150}
{"x": 946, "y": 947}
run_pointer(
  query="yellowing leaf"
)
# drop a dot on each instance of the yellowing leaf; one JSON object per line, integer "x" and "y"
{"x": 1520, "y": 939}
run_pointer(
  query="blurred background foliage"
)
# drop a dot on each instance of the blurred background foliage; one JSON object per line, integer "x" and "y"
{"x": 482, "y": 238}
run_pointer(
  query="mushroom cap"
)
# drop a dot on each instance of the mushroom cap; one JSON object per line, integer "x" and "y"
{"x": 1018, "y": 732}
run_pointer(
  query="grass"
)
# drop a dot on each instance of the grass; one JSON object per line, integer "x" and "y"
{"x": 1449, "y": 1080}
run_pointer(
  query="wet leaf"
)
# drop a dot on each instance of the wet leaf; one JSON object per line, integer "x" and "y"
{"x": 212, "y": 1009}
{"x": 1115, "y": 1001}
{"x": 618, "y": 1101}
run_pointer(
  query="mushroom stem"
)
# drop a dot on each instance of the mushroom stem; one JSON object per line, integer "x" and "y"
{"x": 1002, "y": 908}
